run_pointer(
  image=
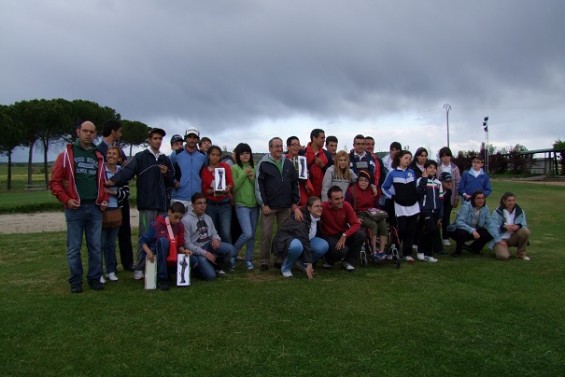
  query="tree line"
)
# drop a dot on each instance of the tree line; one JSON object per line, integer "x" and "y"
{"x": 47, "y": 123}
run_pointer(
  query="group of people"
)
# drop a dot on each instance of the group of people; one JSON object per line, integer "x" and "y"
{"x": 326, "y": 205}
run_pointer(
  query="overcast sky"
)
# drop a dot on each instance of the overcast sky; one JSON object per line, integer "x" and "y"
{"x": 248, "y": 70}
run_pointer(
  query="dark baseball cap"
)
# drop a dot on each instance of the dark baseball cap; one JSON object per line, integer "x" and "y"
{"x": 159, "y": 131}
{"x": 176, "y": 138}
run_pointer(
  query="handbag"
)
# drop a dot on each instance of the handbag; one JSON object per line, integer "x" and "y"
{"x": 112, "y": 218}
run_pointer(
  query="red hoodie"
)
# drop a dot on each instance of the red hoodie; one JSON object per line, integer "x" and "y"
{"x": 62, "y": 182}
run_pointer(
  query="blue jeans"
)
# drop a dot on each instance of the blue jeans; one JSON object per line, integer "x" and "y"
{"x": 87, "y": 220}
{"x": 108, "y": 245}
{"x": 161, "y": 251}
{"x": 319, "y": 248}
{"x": 205, "y": 269}
{"x": 221, "y": 216}
{"x": 247, "y": 217}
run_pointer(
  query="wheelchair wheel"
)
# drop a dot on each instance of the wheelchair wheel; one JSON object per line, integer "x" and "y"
{"x": 363, "y": 257}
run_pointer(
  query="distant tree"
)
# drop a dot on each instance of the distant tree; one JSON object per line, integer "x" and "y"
{"x": 134, "y": 133}
{"x": 12, "y": 136}
{"x": 559, "y": 147}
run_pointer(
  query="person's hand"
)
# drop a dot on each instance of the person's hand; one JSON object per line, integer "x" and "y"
{"x": 319, "y": 162}
{"x": 266, "y": 210}
{"x": 249, "y": 172}
{"x": 163, "y": 169}
{"x": 211, "y": 257}
{"x": 228, "y": 188}
{"x": 73, "y": 204}
{"x": 151, "y": 257}
{"x": 176, "y": 184}
{"x": 374, "y": 189}
{"x": 298, "y": 214}
{"x": 104, "y": 205}
{"x": 309, "y": 271}
{"x": 438, "y": 224}
{"x": 216, "y": 244}
{"x": 425, "y": 173}
{"x": 339, "y": 245}
{"x": 109, "y": 183}
{"x": 476, "y": 234}
{"x": 187, "y": 252}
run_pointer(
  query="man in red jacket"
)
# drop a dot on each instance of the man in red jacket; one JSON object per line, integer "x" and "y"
{"x": 317, "y": 159}
{"x": 342, "y": 229}
{"x": 78, "y": 181}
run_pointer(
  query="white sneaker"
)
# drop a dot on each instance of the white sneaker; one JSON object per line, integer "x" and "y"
{"x": 428, "y": 258}
{"x": 348, "y": 267}
{"x": 409, "y": 259}
{"x": 286, "y": 274}
{"x": 446, "y": 242}
{"x": 138, "y": 275}
{"x": 112, "y": 276}
{"x": 102, "y": 280}
{"x": 415, "y": 247}
{"x": 420, "y": 256}
{"x": 221, "y": 273}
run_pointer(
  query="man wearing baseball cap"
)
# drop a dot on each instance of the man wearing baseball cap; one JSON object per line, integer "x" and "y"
{"x": 189, "y": 161}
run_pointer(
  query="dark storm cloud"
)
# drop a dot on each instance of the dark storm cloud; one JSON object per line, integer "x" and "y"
{"x": 233, "y": 63}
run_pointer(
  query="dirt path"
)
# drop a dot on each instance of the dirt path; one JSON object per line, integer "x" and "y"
{"x": 42, "y": 222}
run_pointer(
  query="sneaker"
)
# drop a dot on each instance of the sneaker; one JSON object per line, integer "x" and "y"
{"x": 96, "y": 285}
{"x": 523, "y": 256}
{"x": 446, "y": 242}
{"x": 415, "y": 247}
{"x": 348, "y": 267}
{"x": 389, "y": 257}
{"x": 77, "y": 288}
{"x": 287, "y": 273}
{"x": 409, "y": 259}
{"x": 112, "y": 276}
{"x": 249, "y": 265}
{"x": 221, "y": 273}
{"x": 102, "y": 280}
{"x": 232, "y": 263}
{"x": 430, "y": 259}
{"x": 381, "y": 255}
{"x": 163, "y": 285}
{"x": 138, "y": 275}
{"x": 327, "y": 265}
{"x": 300, "y": 265}
{"x": 420, "y": 256}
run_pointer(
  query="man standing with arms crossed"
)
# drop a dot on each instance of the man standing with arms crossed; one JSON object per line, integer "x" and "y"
{"x": 78, "y": 181}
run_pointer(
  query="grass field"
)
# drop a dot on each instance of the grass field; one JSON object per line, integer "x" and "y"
{"x": 468, "y": 316}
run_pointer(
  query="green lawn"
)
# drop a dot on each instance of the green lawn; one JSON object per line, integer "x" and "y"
{"x": 469, "y": 316}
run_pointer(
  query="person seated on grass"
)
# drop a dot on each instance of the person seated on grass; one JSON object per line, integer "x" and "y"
{"x": 475, "y": 179}
{"x": 510, "y": 220}
{"x": 364, "y": 200}
{"x": 297, "y": 241}
{"x": 209, "y": 253}
{"x": 473, "y": 222}
{"x": 156, "y": 240}
{"x": 431, "y": 213}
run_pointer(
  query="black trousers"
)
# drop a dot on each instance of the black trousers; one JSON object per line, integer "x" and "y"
{"x": 124, "y": 239}
{"x": 447, "y": 208}
{"x": 406, "y": 231}
{"x": 461, "y": 236}
{"x": 349, "y": 252}
{"x": 429, "y": 240}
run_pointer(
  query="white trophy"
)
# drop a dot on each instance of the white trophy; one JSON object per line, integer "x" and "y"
{"x": 220, "y": 181}
{"x": 150, "y": 274}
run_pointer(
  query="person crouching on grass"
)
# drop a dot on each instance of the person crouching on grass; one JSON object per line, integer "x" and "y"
{"x": 155, "y": 241}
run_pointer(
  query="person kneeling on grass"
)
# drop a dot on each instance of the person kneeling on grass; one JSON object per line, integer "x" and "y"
{"x": 209, "y": 253}
{"x": 473, "y": 222}
{"x": 510, "y": 221}
{"x": 156, "y": 241}
{"x": 297, "y": 240}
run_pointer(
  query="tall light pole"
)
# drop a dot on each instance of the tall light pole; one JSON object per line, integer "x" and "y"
{"x": 485, "y": 127}
{"x": 447, "y": 108}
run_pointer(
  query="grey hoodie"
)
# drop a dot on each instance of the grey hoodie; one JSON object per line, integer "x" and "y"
{"x": 198, "y": 231}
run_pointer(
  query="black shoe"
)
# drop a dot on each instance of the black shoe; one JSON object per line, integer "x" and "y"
{"x": 163, "y": 285}
{"x": 77, "y": 288}
{"x": 96, "y": 285}
{"x": 264, "y": 267}
{"x": 129, "y": 268}
{"x": 278, "y": 265}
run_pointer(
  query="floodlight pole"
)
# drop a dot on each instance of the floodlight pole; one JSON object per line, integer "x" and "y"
{"x": 447, "y": 108}
{"x": 485, "y": 127}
